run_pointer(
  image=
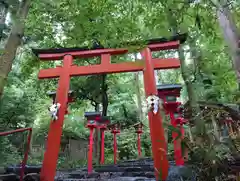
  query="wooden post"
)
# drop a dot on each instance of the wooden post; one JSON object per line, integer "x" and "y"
{"x": 139, "y": 144}
{"x": 159, "y": 145}
{"x": 176, "y": 142}
{"x": 115, "y": 147}
{"x": 90, "y": 150}
{"x": 48, "y": 170}
{"x": 102, "y": 145}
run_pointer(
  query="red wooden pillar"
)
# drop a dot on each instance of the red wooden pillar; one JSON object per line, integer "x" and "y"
{"x": 92, "y": 123}
{"x": 90, "y": 150}
{"x": 55, "y": 131}
{"x": 159, "y": 145}
{"x": 115, "y": 146}
{"x": 177, "y": 142}
{"x": 96, "y": 121}
{"x": 139, "y": 144}
{"x": 181, "y": 122}
{"x": 25, "y": 158}
{"x": 102, "y": 144}
{"x": 115, "y": 130}
{"x": 139, "y": 131}
{"x": 169, "y": 94}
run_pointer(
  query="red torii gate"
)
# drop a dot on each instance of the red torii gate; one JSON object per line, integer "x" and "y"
{"x": 65, "y": 72}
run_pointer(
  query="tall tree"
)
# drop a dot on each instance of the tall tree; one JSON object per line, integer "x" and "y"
{"x": 3, "y": 15}
{"x": 230, "y": 31}
{"x": 14, "y": 40}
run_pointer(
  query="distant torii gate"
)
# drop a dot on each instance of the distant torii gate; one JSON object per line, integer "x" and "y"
{"x": 65, "y": 72}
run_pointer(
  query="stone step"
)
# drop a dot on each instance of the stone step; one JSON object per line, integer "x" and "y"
{"x": 131, "y": 170}
{"x": 9, "y": 177}
{"x": 145, "y": 168}
{"x": 2, "y": 170}
{"x": 107, "y": 175}
{"x": 176, "y": 173}
{"x": 115, "y": 179}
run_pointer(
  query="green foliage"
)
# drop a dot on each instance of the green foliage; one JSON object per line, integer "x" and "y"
{"x": 64, "y": 163}
{"x": 8, "y": 153}
{"x": 79, "y": 23}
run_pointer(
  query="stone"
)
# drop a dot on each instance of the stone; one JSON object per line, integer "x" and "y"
{"x": 181, "y": 173}
{"x": 93, "y": 175}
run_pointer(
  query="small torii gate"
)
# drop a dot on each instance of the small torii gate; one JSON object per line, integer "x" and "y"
{"x": 68, "y": 70}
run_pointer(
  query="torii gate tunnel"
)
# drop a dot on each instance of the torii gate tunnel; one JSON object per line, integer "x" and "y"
{"x": 68, "y": 69}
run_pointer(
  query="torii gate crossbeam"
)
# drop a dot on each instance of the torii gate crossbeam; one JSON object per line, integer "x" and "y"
{"x": 67, "y": 70}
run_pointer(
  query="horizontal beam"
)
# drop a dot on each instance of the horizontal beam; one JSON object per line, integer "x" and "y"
{"x": 99, "y": 52}
{"x": 49, "y": 73}
{"x": 15, "y": 131}
{"x": 167, "y": 63}
{"x": 164, "y": 46}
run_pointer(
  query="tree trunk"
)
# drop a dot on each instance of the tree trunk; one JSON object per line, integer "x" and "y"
{"x": 190, "y": 133}
{"x": 3, "y": 15}
{"x": 231, "y": 35}
{"x": 104, "y": 89}
{"x": 104, "y": 95}
{"x": 215, "y": 127}
{"x": 96, "y": 107}
{"x": 14, "y": 40}
{"x": 189, "y": 85}
{"x": 138, "y": 93}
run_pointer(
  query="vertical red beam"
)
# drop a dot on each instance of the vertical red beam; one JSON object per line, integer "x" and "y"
{"x": 90, "y": 150}
{"x": 139, "y": 145}
{"x": 102, "y": 145}
{"x": 159, "y": 146}
{"x": 25, "y": 158}
{"x": 115, "y": 147}
{"x": 55, "y": 131}
{"x": 176, "y": 143}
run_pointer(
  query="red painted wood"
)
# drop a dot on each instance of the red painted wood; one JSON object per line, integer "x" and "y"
{"x": 48, "y": 170}
{"x": 105, "y": 60}
{"x": 50, "y": 73}
{"x": 139, "y": 145}
{"x": 176, "y": 143}
{"x": 115, "y": 147}
{"x": 159, "y": 145}
{"x": 83, "y": 54}
{"x": 64, "y": 73}
{"x": 14, "y": 131}
{"x": 99, "y": 52}
{"x": 90, "y": 150}
{"x": 167, "y": 63}
{"x": 163, "y": 93}
{"x": 24, "y": 162}
{"x": 25, "y": 158}
{"x": 102, "y": 145}
{"x": 164, "y": 46}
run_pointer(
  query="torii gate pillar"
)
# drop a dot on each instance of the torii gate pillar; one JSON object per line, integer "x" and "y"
{"x": 54, "y": 134}
{"x": 159, "y": 145}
